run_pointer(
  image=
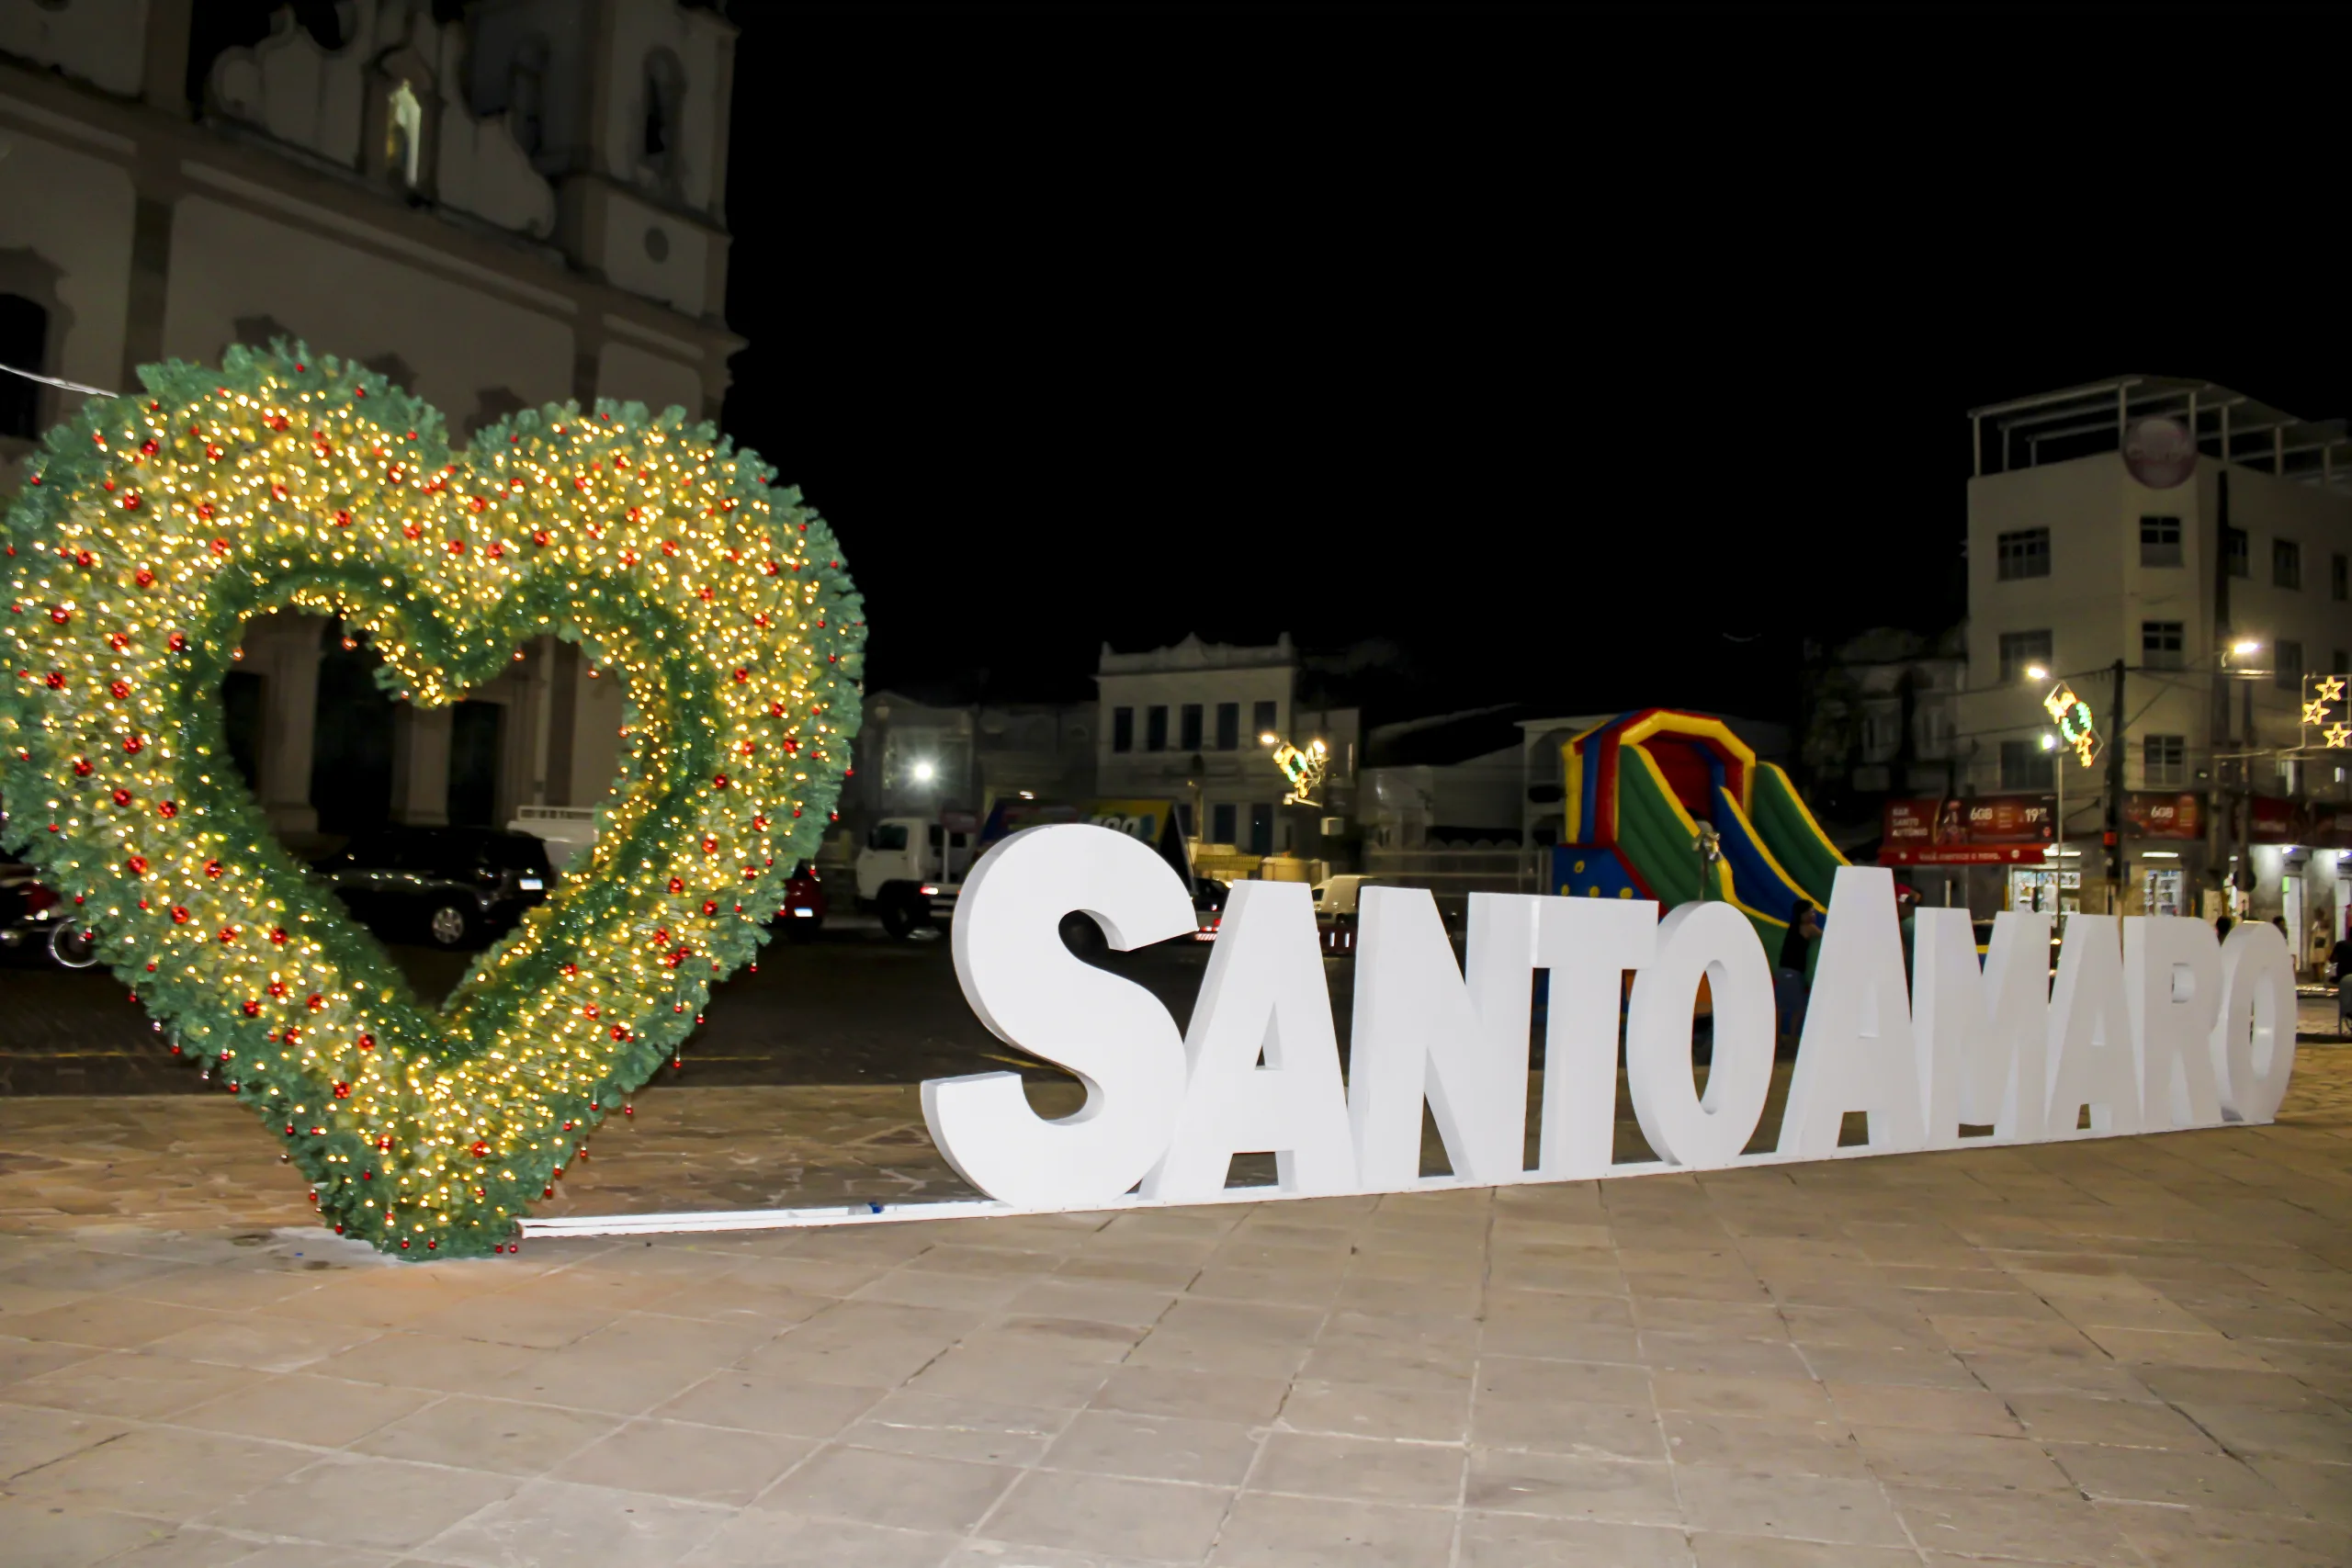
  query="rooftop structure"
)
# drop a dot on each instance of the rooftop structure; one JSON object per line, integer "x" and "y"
{"x": 2050, "y": 427}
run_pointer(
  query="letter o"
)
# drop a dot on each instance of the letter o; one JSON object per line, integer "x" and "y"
{"x": 2254, "y": 1042}
{"x": 1717, "y": 942}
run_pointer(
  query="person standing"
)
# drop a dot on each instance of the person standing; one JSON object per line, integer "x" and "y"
{"x": 1791, "y": 980}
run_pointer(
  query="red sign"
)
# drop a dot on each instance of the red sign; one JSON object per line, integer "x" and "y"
{"x": 2164, "y": 816}
{"x": 1993, "y": 829}
{"x": 2315, "y": 824}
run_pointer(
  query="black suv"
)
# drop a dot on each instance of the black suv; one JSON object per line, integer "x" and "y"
{"x": 456, "y": 886}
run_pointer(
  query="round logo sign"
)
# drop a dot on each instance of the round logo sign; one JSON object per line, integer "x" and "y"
{"x": 2160, "y": 453}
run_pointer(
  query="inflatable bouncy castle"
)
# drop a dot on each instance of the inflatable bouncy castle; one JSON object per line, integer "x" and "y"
{"x": 1640, "y": 788}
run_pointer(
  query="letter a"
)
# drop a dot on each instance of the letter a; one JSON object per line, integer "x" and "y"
{"x": 1264, "y": 991}
{"x": 1856, "y": 1053}
{"x": 2090, "y": 1035}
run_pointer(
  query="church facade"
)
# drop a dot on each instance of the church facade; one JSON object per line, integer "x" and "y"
{"x": 522, "y": 206}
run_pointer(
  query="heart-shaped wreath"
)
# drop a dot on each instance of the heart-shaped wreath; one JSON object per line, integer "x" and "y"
{"x": 152, "y": 527}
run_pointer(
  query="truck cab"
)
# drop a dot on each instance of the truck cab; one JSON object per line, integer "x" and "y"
{"x": 911, "y": 871}
{"x": 905, "y": 863}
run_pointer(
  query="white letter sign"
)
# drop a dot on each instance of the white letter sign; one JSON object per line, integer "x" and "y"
{"x": 2151, "y": 1025}
{"x": 1032, "y": 992}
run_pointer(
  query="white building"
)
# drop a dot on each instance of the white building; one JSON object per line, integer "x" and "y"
{"x": 2153, "y": 525}
{"x": 522, "y": 207}
{"x": 1189, "y": 723}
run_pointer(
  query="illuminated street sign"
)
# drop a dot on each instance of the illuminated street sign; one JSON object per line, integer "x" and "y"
{"x": 2072, "y": 716}
{"x": 2327, "y": 713}
{"x": 1304, "y": 769}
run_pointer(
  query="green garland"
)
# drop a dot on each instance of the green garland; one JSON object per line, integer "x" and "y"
{"x": 153, "y": 527}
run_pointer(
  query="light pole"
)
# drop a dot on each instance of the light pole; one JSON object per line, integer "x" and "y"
{"x": 2058, "y": 843}
{"x": 2241, "y": 880}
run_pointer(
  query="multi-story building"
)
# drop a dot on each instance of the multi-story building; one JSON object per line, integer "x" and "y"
{"x": 1197, "y": 724}
{"x": 520, "y": 206}
{"x": 1879, "y": 718}
{"x": 2194, "y": 547}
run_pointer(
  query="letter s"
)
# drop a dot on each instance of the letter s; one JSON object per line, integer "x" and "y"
{"x": 1031, "y": 992}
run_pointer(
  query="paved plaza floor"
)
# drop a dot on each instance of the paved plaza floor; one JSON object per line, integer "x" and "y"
{"x": 2128, "y": 1351}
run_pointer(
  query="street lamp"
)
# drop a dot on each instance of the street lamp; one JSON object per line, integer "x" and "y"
{"x": 925, "y": 772}
{"x": 2037, "y": 672}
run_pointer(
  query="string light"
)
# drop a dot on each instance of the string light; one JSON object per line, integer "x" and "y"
{"x": 154, "y": 527}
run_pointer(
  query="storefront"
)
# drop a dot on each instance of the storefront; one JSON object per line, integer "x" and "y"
{"x": 2301, "y": 856}
{"x": 2053, "y": 888}
{"x": 2164, "y": 848}
{"x": 1991, "y": 852}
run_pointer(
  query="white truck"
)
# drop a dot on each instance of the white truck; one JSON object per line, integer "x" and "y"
{"x": 911, "y": 869}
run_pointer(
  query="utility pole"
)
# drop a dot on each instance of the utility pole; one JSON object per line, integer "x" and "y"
{"x": 2115, "y": 801}
{"x": 2218, "y": 719}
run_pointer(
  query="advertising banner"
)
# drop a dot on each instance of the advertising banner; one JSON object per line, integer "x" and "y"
{"x": 1992, "y": 830}
{"x": 2318, "y": 825}
{"x": 2147, "y": 815}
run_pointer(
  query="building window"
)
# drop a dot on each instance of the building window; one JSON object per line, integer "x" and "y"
{"x": 1123, "y": 730}
{"x": 1228, "y": 726}
{"x": 1221, "y": 819}
{"x": 1261, "y": 718}
{"x": 2289, "y": 666}
{"x": 527, "y": 94}
{"x": 24, "y": 342}
{"x": 1188, "y": 728}
{"x": 2339, "y": 577}
{"x": 2160, "y": 644}
{"x": 2025, "y": 765}
{"x": 2021, "y": 651}
{"x": 2025, "y": 553}
{"x": 665, "y": 101}
{"x": 2164, "y": 761}
{"x": 1261, "y": 828}
{"x": 1881, "y": 735}
{"x": 2286, "y": 564}
{"x": 2234, "y": 552}
{"x": 2341, "y": 666}
{"x": 1154, "y": 728}
{"x": 1935, "y": 731}
{"x": 2159, "y": 541}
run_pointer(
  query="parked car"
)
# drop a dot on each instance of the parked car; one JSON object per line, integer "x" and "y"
{"x": 455, "y": 886}
{"x": 1208, "y": 907}
{"x": 33, "y": 918}
{"x": 803, "y": 914}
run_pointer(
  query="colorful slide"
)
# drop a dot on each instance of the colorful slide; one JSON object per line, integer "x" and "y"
{"x": 1638, "y": 788}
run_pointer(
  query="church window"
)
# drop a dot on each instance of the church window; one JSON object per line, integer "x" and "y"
{"x": 526, "y": 92}
{"x": 665, "y": 97}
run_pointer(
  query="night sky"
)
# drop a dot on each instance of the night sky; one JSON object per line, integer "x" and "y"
{"x": 1538, "y": 353}
{"x": 1547, "y": 345}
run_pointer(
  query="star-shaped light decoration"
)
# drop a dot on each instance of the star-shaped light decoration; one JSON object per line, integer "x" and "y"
{"x": 2339, "y": 735}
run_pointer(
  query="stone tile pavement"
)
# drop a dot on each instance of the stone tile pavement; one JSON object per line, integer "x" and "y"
{"x": 2122, "y": 1352}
